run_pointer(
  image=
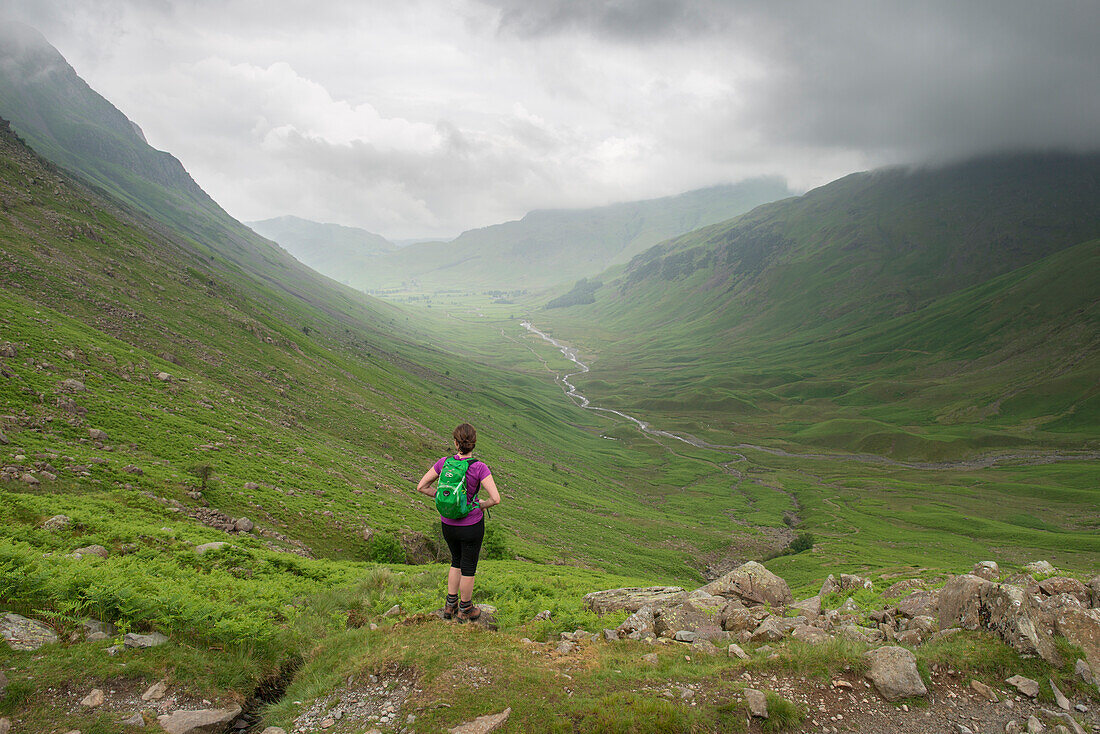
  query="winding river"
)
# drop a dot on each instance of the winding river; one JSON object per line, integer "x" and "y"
{"x": 977, "y": 463}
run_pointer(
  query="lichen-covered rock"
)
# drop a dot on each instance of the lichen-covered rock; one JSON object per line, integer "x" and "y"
{"x": 1094, "y": 592}
{"x": 851, "y": 582}
{"x": 632, "y": 599}
{"x": 828, "y": 586}
{"x": 243, "y": 525}
{"x": 757, "y": 703}
{"x": 206, "y": 547}
{"x": 770, "y": 630}
{"x": 153, "y": 639}
{"x": 640, "y": 621}
{"x": 92, "y": 550}
{"x": 1082, "y": 628}
{"x": 752, "y": 583}
{"x": 57, "y": 522}
{"x": 25, "y": 634}
{"x": 811, "y": 635}
{"x": 893, "y": 672}
{"x": 1065, "y": 585}
{"x": 683, "y": 617}
{"x": 810, "y": 608}
{"x": 973, "y": 603}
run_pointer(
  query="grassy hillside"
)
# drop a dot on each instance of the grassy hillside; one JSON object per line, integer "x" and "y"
{"x": 926, "y": 314}
{"x": 330, "y": 249}
{"x": 553, "y": 246}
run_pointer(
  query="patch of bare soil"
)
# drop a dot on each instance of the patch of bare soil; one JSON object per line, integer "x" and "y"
{"x": 370, "y": 700}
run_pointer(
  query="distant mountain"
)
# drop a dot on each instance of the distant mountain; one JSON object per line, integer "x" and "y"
{"x": 552, "y": 246}
{"x": 962, "y": 300}
{"x": 330, "y": 249}
{"x": 69, "y": 124}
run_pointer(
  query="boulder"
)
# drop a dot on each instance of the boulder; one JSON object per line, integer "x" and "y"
{"x": 57, "y": 522}
{"x": 1026, "y": 686}
{"x": 25, "y": 634}
{"x": 734, "y": 651}
{"x": 903, "y": 588}
{"x": 71, "y": 385}
{"x": 1065, "y": 585}
{"x": 1040, "y": 568}
{"x": 912, "y": 638}
{"x": 164, "y": 377}
{"x": 923, "y": 603}
{"x": 1094, "y": 592}
{"x": 640, "y": 621}
{"x": 770, "y": 630}
{"x": 204, "y": 721}
{"x": 153, "y": 639}
{"x": 91, "y": 550}
{"x": 94, "y": 699}
{"x": 811, "y": 635}
{"x": 683, "y": 617}
{"x": 851, "y": 582}
{"x": 137, "y": 721}
{"x": 1082, "y": 628}
{"x": 97, "y": 434}
{"x": 810, "y": 608}
{"x": 216, "y": 545}
{"x": 752, "y": 583}
{"x": 860, "y": 634}
{"x": 987, "y": 570}
{"x": 29, "y": 479}
{"x": 243, "y": 525}
{"x": 483, "y": 724}
{"x": 829, "y": 586}
{"x": 757, "y": 703}
{"x": 704, "y": 646}
{"x": 634, "y": 598}
{"x": 95, "y": 627}
{"x": 893, "y": 672}
{"x": 973, "y": 603}
{"x": 684, "y": 636}
{"x": 611, "y": 635}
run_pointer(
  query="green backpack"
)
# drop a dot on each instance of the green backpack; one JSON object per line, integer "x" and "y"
{"x": 450, "y": 494}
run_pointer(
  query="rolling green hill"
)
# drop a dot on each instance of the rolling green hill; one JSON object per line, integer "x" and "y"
{"x": 330, "y": 249}
{"x": 548, "y": 247}
{"x": 928, "y": 313}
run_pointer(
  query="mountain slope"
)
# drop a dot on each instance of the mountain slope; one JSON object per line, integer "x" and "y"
{"x": 899, "y": 311}
{"x": 553, "y": 246}
{"x": 330, "y": 249}
{"x": 71, "y": 125}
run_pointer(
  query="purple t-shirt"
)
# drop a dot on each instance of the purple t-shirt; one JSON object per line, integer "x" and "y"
{"x": 474, "y": 475}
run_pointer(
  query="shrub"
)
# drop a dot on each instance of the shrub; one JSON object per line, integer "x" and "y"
{"x": 804, "y": 542}
{"x": 384, "y": 548}
{"x": 495, "y": 546}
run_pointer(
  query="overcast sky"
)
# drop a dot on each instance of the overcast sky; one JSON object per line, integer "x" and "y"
{"x": 428, "y": 117}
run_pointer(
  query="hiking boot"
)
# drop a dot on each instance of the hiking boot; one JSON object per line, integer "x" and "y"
{"x": 449, "y": 610}
{"x": 472, "y": 615}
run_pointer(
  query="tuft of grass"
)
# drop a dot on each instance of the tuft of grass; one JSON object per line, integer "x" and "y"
{"x": 631, "y": 713}
{"x": 783, "y": 715}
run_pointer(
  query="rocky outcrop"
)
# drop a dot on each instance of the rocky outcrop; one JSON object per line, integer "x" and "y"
{"x": 1064, "y": 585}
{"x": 893, "y": 672}
{"x": 1082, "y": 628}
{"x": 987, "y": 570}
{"x": 634, "y": 598}
{"x": 752, "y": 584}
{"x": 974, "y": 603}
{"x": 205, "y": 721}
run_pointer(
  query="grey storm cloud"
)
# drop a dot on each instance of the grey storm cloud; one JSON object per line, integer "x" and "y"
{"x": 427, "y": 117}
{"x": 909, "y": 80}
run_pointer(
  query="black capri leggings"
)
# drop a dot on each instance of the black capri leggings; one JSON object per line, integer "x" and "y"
{"x": 465, "y": 544}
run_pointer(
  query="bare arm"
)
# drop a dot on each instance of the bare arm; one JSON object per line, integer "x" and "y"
{"x": 489, "y": 486}
{"x": 424, "y": 486}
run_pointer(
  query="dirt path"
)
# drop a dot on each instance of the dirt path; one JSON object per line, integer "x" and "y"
{"x": 1028, "y": 458}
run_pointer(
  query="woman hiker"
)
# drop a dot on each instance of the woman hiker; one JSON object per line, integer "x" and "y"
{"x": 464, "y": 535}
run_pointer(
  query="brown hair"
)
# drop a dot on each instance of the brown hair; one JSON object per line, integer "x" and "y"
{"x": 466, "y": 438}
